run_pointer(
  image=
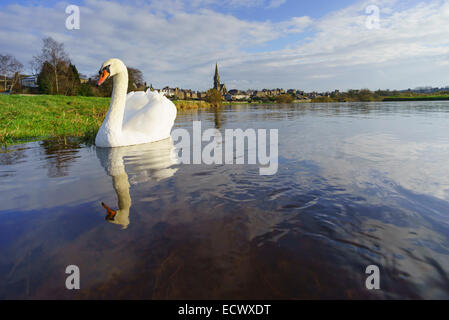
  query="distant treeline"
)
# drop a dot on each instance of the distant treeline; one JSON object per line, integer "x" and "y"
{"x": 366, "y": 95}
{"x": 419, "y": 98}
{"x": 282, "y": 98}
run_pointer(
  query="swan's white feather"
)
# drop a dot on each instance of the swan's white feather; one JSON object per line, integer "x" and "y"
{"x": 134, "y": 102}
{"x": 149, "y": 116}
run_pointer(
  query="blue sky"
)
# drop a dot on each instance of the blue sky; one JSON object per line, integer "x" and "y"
{"x": 311, "y": 45}
{"x": 258, "y": 11}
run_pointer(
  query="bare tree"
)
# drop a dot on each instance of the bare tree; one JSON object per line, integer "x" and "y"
{"x": 10, "y": 67}
{"x": 34, "y": 66}
{"x": 54, "y": 53}
{"x": 4, "y": 65}
{"x": 16, "y": 68}
{"x": 135, "y": 77}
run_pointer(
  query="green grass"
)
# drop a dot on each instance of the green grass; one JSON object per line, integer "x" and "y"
{"x": 191, "y": 104}
{"x": 30, "y": 118}
{"x": 418, "y": 98}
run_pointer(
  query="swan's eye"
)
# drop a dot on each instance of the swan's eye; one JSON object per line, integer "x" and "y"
{"x": 103, "y": 69}
{"x": 104, "y": 74}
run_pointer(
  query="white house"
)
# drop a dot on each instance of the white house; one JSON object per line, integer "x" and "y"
{"x": 167, "y": 91}
{"x": 30, "y": 82}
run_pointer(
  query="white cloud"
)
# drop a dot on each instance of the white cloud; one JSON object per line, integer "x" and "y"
{"x": 390, "y": 160}
{"x": 269, "y": 4}
{"x": 275, "y": 3}
{"x": 178, "y": 45}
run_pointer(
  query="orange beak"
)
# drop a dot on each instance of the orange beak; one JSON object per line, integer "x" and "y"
{"x": 103, "y": 77}
{"x": 110, "y": 213}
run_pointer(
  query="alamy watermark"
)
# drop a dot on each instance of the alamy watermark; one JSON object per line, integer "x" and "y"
{"x": 72, "y": 22}
{"x": 72, "y": 282}
{"x": 219, "y": 150}
{"x": 373, "y": 280}
{"x": 373, "y": 18}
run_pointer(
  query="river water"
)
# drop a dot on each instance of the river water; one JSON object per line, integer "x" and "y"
{"x": 357, "y": 185}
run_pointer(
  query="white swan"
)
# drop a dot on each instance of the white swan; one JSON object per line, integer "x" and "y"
{"x": 136, "y": 118}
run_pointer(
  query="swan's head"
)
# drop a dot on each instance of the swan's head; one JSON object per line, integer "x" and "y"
{"x": 120, "y": 217}
{"x": 109, "y": 69}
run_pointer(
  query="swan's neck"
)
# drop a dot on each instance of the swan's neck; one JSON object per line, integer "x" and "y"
{"x": 114, "y": 117}
{"x": 121, "y": 186}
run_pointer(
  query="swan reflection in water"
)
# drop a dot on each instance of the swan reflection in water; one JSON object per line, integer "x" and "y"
{"x": 145, "y": 162}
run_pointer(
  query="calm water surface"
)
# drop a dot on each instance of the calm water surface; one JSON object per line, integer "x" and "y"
{"x": 358, "y": 184}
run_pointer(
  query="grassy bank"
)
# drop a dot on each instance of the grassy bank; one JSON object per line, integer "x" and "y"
{"x": 28, "y": 118}
{"x": 191, "y": 104}
{"x": 31, "y": 118}
{"x": 419, "y": 98}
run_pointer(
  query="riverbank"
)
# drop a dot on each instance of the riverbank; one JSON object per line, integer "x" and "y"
{"x": 418, "y": 98}
{"x": 191, "y": 104}
{"x": 26, "y": 118}
{"x": 382, "y": 99}
{"x": 29, "y": 118}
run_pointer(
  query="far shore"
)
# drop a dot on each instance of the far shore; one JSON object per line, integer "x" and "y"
{"x": 418, "y": 98}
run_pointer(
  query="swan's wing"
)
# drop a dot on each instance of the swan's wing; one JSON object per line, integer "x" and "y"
{"x": 153, "y": 120}
{"x": 134, "y": 102}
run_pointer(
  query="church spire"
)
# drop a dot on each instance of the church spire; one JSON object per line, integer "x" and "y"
{"x": 217, "y": 84}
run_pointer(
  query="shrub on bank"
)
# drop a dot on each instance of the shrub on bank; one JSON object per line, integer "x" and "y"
{"x": 284, "y": 98}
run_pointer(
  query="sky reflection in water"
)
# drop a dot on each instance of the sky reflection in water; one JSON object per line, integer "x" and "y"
{"x": 358, "y": 184}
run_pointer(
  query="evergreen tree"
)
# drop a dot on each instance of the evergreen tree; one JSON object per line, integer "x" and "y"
{"x": 86, "y": 89}
{"x": 46, "y": 79}
{"x": 74, "y": 81}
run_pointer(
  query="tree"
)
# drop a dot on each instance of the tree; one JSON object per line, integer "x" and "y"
{"x": 365, "y": 95}
{"x": 34, "y": 66}
{"x": 10, "y": 67}
{"x": 284, "y": 98}
{"x": 15, "y": 86}
{"x": 85, "y": 89}
{"x": 45, "y": 79}
{"x": 135, "y": 79}
{"x": 213, "y": 96}
{"x": 73, "y": 79}
{"x": 4, "y": 65}
{"x": 54, "y": 53}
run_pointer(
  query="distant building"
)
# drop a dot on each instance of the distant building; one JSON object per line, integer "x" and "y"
{"x": 259, "y": 94}
{"x": 217, "y": 85}
{"x": 237, "y": 96}
{"x": 179, "y": 94}
{"x": 30, "y": 82}
{"x": 83, "y": 78}
{"x": 167, "y": 91}
{"x": 202, "y": 95}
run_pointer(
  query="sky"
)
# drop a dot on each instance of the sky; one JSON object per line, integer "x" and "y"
{"x": 318, "y": 45}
